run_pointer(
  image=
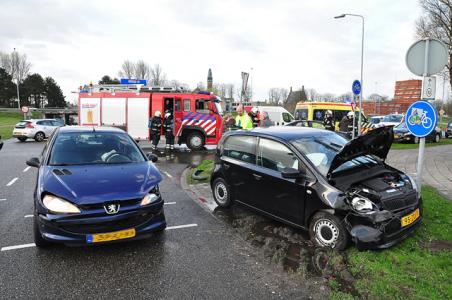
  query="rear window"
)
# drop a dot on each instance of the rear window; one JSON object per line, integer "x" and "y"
{"x": 241, "y": 148}
{"x": 22, "y": 124}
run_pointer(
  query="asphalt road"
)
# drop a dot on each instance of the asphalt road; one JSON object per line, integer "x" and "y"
{"x": 204, "y": 260}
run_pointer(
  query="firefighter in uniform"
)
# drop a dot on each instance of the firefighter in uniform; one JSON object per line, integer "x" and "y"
{"x": 328, "y": 121}
{"x": 155, "y": 125}
{"x": 168, "y": 127}
{"x": 254, "y": 115}
{"x": 346, "y": 124}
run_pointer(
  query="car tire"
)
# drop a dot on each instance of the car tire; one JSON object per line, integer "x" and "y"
{"x": 195, "y": 141}
{"x": 416, "y": 140}
{"x": 40, "y": 242}
{"x": 327, "y": 230}
{"x": 222, "y": 193}
{"x": 437, "y": 138}
{"x": 22, "y": 139}
{"x": 40, "y": 136}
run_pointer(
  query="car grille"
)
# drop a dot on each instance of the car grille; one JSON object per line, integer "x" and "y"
{"x": 123, "y": 203}
{"x": 400, "y": 202}
{"x": 111, "y": 226}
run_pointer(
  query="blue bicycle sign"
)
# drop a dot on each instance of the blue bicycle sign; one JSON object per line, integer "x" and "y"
{"x": 356, "y": 87}
{"x": 421, "y": 118}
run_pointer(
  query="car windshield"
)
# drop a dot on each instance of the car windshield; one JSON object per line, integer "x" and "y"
{"x": 82, "y": 148}
{"x": 393, "y": 118}
{"x": 321, "y": 150}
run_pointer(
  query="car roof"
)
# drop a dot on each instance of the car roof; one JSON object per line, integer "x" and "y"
{"x": 286, "y": 133}
{"x": 90, "y": 129}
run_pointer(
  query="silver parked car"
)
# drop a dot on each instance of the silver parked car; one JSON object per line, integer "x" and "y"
{"x": 37, "y": 129}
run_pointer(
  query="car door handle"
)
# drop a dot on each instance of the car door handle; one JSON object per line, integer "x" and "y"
{"x": 226, "y": 166}
{"x": 257, "y": 177}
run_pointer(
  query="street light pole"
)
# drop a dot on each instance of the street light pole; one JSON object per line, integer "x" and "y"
{"x": 17, "y": 79}
{"x": 362, "y": 62}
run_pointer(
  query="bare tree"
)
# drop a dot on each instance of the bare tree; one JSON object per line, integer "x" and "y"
{"x": 274, "y": 95}
{"x": 142, "y": 70}
{"x": 158, "y": 77}
{"x": 312, "y": 94}
{"x": 230, "y": 90}
{"x": 15, "y": 64}
{"x": 284, "y": 94}
{"x": 127, "y": 69}
{"x": 436, "y": 22}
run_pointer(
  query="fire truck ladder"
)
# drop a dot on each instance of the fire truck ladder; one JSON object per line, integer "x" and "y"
{"x": 112, "y": 88}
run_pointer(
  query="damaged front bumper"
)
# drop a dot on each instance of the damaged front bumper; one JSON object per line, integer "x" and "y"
{"x": 381, "y": 229}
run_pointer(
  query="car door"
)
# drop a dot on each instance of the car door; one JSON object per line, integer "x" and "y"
{"x": 238, "y": 161}
{"x": 284, "y": 198}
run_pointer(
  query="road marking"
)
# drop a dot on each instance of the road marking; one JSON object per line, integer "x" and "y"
{"x": 181, "y": 226}
{"x": 168, "y": 174}
{"x": 2, "y": 199}
{"x": 26, "y": 169}
{"x": 12, "y": 182}
{"x": 18, "y": 247}
{"x": 28, "y": 216}
{"x": 169, "y": 203}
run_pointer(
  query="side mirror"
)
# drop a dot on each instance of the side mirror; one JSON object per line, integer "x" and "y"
{"x": 33, "y": 162}
{"x": 152, "y": 157}
{"x": 291, "y": 173}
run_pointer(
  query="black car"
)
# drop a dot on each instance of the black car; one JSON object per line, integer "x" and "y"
{"x": 1, "y": 143}
{"x": 402, "y": 134}
{"x": 449, "y": 130}
{"x": 320, "y": 181}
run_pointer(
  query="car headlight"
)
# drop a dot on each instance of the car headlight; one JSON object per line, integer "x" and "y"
{"x": 58, "y": 205}
{"x": 149, "y": 198}
{"x": 414, "y": 185}
{"x": 362, "y": 204}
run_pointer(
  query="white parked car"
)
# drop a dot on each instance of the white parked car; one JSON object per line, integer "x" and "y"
{"x": 393, "y": 119}
{"x": 37, "y": 129}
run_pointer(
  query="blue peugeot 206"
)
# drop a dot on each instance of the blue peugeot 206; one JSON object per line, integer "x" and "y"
{"x": 95, "y": 185}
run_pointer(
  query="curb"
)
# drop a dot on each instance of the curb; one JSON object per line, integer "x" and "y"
{"x": 205, "y": 201}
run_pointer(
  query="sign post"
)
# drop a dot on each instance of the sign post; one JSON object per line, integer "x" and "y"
{"x": 356, "y": 89}
{"x": 424, "y": 58}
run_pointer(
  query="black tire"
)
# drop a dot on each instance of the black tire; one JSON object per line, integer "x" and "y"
{"x": 195, "y": 141}
{"x": 22, "y": 139}
{"x": 40, "y": 136}
{"x": 437, "y": 138}
{"x": 40, "y": 242}
{"x": 222, "y": 193}
{"x": 327, "y": 230}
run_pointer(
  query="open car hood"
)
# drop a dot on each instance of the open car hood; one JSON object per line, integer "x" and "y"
{"x": 377, "y": 142}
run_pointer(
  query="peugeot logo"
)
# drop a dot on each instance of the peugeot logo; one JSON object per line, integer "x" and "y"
{"x": 111, "y": 208}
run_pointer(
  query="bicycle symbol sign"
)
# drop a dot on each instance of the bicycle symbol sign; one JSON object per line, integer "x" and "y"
{"x": 421, "y": 118}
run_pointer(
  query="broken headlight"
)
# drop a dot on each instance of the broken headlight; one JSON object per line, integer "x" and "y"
{"x": 362, "y": 204}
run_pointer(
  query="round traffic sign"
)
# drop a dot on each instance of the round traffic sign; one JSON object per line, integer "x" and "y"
{"x": 437, "y": 57}
{"x": 421, "y": 118}
{"x": 24, "y": 109}
{"x": 356, "y": 87}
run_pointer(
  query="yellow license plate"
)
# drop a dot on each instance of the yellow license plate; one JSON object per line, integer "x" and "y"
{"x": 407, "y": 220}
{"x": 17, "y": 133}
{"x": 397, "y": 136}
{"x": 111, "y": 236}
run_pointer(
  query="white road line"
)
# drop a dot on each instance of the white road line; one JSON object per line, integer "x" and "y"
{"x": 169, "y": 203}
{"x": 26, "y": 169}
{"x": 2, "y": 200}
{"x": 12, "y": 182}
{"x": 28, "y": 216}
{"x": 18, "y": 247}
{"x": 168, "y": 174}
{"x": 181, "y": 226}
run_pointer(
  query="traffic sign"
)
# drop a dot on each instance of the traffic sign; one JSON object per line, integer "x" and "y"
{"x": 429, "y": 88}
{"x": 356, "y": 87}
{"x": 133, "y": 81}
{"x": 436, "y": 59}
{"x": 24, "y": 109}
{"x": 421, "y": 118}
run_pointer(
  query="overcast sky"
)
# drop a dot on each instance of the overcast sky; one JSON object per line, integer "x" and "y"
{"x": 287, "y": 43}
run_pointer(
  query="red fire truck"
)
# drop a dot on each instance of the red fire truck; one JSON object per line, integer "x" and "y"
{"x": 197, "y": 116}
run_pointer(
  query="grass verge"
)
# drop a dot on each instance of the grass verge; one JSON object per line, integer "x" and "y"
{"x": 205, "y": 169}
{"x": 9, "y": 119}
{"x": 401, "y": 146}
{"x": 418, "y": 268}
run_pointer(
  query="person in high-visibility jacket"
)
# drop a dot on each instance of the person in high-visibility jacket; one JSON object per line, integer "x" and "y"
{"x": 243, "y": 120}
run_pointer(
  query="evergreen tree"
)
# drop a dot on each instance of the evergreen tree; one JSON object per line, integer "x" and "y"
{"x": 55, "y": 97}
{"x": 7, "y": 89}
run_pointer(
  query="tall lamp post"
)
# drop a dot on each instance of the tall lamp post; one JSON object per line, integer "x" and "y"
{"x": 17, "y": 79}
{"x": 362, "y": 55}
